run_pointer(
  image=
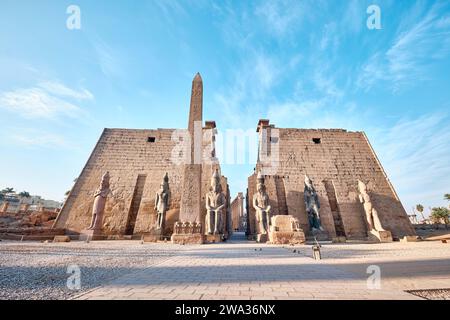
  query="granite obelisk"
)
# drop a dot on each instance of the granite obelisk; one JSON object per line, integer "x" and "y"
{"x": 190, "y": 206}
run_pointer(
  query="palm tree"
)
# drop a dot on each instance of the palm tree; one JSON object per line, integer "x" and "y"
{"x": 441, "y": 214}
{"x": 7, "y": 190}
{"x": 447, "y": 196}
{"x": 24, "y": 194}
{"x": 419, "y": 208}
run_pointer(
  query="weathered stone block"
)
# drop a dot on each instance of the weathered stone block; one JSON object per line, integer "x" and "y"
{"x": 195, "y": 238}
{"x": 214, "y": 238}
{"x": 285, "y": 229}
{"x": 288, "y": 237}
{"x": 380, "y": 236}
{"x": 61, "y": 239}
{"x": 262, "y": 238}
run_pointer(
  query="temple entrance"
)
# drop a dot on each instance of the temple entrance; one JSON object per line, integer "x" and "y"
{"x": 238, "y": 236}
{"x": 135, "y": 204}
{"x": 332, "y": 199}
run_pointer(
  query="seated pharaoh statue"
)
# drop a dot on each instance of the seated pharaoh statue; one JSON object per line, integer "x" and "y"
{"x": 215, "y": 202}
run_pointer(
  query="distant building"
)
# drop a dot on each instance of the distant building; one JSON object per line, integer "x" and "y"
{"x": 238, "y": 213}
{"x": 13, "y": 202}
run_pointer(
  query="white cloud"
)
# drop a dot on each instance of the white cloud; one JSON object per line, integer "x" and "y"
{"x": 265, "y": 71}
{"x": 283, "y": 114}
{"x": 250, "y": 89}
{"x": 171, "y": 9}
{"x": 61, "y": 90}
{"x": 326, "y": 84}
{"x": 282, "y": 17}
{"x": 416, "y": 156}
{"x": 354, "y": 16}
{"x": 40, "y": 139}
{"x": 415, "y": 48}
{"x": 47, "y": 100}
{"x": 107, "y": 59}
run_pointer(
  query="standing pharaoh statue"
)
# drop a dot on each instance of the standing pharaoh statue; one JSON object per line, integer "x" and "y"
{"x": 372, "y": 218}
{"x": 312, "y": 205}
{"x": 261, "y": 203}
{"x": 215, "y": 202}
{"x": 98, "y": 208}
{"x": 162, "y": 203}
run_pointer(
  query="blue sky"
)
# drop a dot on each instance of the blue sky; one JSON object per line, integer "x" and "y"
{"x": 305, "y": 64}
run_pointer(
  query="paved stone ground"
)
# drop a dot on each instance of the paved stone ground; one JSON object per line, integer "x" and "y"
{"x": 232, "y": 270}
{"x": 245, "y": 270}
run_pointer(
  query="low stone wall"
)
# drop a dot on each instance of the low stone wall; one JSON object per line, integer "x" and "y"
{"x": 30, "y": 234}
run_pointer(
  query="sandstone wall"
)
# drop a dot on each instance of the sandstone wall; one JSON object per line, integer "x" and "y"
{"x": 136, "y": 167}
{"x": 334, "y": 165}
{"x": 127, "y": 155}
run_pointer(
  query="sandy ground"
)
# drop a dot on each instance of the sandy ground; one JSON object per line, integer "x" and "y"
{"x": 35, "y": 270}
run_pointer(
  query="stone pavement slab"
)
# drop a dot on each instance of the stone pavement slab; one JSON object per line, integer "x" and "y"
{"x": 244, "y": 272}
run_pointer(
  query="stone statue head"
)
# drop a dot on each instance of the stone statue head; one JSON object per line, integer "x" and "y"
{"x": 215, "y": 182}
{"x": 261, "y": 188}
{"x": 164, "y": 186}
{"x": 105, "y": 181}
{"x": 362, "y": 187}
{"x": 308, "y": 182}
{"x": 260, "y": 178}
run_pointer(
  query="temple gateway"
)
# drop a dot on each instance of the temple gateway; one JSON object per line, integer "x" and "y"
{"x": 161, "y": 184}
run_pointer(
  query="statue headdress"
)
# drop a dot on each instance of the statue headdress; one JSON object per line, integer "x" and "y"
{"x": 105, "y": 180}
{"x": 215, "y": 179}
{"x": 361, "y": 186}
{"x": 260, "y": 178}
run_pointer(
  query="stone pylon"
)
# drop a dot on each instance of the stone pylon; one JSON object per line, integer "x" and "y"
{"x": 190, "y": 206}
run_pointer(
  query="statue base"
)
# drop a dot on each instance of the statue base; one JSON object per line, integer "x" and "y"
{"x": 191, "y": 238}
{"x": 261, "y": 238}
{"x": 91, "y": 235}
{"x": 320, "y": 235}
{"x": 152, "y": 236}
{"x": 287, "y": 237}
{"x": 380, "y": 236}
{"x": 339, "y": 240}
{"x": 285, "y": 229}
{"x": 187, "y": 233}
{"x": 213, "y": 238}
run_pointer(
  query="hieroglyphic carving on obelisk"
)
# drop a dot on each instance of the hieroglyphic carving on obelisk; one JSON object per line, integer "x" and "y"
{"x": 190, "y": 207}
